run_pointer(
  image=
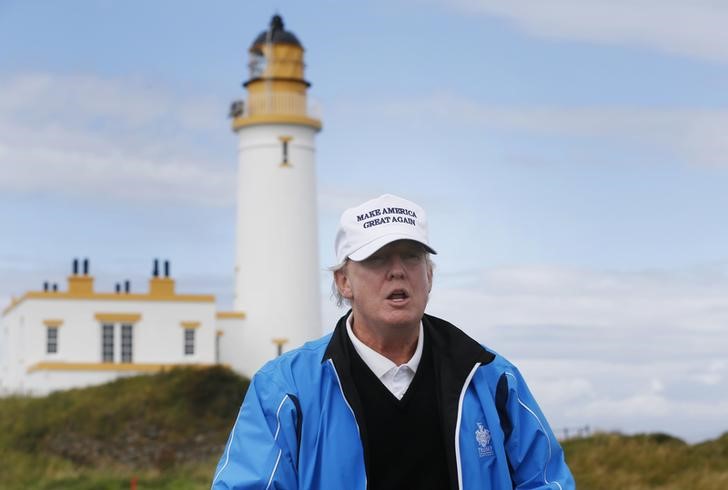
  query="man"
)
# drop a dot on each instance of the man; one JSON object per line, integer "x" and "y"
{"x": 393, "y": 398}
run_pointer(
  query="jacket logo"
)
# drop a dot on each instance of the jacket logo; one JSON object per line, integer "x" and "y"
{"x": 482, "y": 437}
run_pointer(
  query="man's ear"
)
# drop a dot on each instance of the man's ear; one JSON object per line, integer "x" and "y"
{"x": 343, "y": 284}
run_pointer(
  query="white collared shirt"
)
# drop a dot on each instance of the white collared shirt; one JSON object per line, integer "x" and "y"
{"x": 396, "y": 378}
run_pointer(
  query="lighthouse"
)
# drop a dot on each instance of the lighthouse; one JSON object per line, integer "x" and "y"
{"x": 276, "y": 267}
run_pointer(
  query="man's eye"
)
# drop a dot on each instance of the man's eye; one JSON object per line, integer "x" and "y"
{"x": 375, "y": 260}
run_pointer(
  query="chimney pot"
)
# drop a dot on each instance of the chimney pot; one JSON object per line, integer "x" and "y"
{"x": 127, "y": 286}
{"x": 45, "y": 286}
{"x": 55, "y": 287}
{"x": 75, "y": 266}
{"x": 155, "y": 271}
{"x": 166, "y": 268}
{"x": 85, "y": 267}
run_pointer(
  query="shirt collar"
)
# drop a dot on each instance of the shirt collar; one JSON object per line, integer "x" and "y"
{"x": 379, "y": 364}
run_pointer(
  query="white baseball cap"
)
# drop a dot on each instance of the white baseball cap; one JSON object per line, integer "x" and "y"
{"x": 366, "y": 228}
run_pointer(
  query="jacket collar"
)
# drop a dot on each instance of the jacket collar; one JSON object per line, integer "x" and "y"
{"x": 452, "y": 344}
{"x": 337, "y": 350}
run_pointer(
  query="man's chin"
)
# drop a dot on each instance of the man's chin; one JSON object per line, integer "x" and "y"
{"x": 401, "y": 318}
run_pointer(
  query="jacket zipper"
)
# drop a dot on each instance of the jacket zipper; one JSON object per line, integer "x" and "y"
{"x": 457, "y": 425}
{"x": 341, "y": 388}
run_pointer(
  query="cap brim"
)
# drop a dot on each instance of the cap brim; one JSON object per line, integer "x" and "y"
{"x": 371, "y": 247}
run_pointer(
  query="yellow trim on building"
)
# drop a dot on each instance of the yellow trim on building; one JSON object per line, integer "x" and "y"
{"x": 161, "y": 287}
{"x": 80, "y": 284}
{"x": 262, "y": 86}
{"x": 109, "y": 366}
{"x": 187, "y": 325}
{"x": 241, "y": 122}
{"x": 277, "y": 103}
{"x": 53, "y": 322}
{"x": 13, "y": 302}
{"x": 118, "y": 317}
{"x": 187, "y": 298}
{"x": 230, "y": 315}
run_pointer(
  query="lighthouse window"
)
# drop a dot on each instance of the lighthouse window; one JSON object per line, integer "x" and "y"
{"x": 52, "y": 340}
{"x": 126, "y": 342}
{"x": 257, "y": 64}
{"x": 189, "y": 341}
{"x": 107, "y": 342}
{"x": 284, "y": 142}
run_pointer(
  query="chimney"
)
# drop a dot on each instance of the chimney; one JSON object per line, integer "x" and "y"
{"x": 161, "y": 285}
{"x": 127, "y": 286}
{"x": 45, "y": 286}
{"x": 79, "y": 284}
{"x": 55, "y": 287}
{"x": 117, "y": 287}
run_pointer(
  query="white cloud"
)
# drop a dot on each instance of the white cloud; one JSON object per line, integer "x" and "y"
{"x": 82, "y": 99}
{"x": 89, "y": 136}
{"x": 534, "y": 296}
{"x": 712, "y": 374}
{"x": 628, "y": 396}
{"x": 690, "y": 135}
{"x": 694, "y": 29}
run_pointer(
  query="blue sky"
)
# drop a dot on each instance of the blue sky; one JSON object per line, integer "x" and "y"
{"x": 572, "y": 157}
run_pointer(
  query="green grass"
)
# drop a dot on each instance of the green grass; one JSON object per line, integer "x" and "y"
{"x": 169, "y": 429}
{"x": 40, "y": 473}
{"x": 647, "y": 461}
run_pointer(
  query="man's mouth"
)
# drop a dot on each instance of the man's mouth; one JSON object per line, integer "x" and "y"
{"x": 398, "y": 295}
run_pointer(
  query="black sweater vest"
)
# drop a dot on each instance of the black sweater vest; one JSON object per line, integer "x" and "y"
{"x": 402, "y": 439}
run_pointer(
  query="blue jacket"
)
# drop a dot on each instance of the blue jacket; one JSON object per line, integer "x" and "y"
{"x": 300, "y": 424}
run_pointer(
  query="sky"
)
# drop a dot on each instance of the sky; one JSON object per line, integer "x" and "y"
{"x": 572, "y": 157}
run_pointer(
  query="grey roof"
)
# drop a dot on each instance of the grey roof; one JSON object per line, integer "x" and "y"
{"x": 278, "y": 35}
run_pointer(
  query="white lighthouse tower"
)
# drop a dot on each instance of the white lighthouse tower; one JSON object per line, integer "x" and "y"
{"x": 277, "y": 270}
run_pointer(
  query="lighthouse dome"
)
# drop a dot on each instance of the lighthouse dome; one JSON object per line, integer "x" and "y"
{"x": 276, "y": 34}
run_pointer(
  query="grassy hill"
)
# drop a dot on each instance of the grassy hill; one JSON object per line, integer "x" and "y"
{"x": 169, "y": 429}
{"x": 648, "y": 461}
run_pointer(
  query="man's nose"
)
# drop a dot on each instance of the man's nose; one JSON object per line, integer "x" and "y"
{"x": 396, "y": 267}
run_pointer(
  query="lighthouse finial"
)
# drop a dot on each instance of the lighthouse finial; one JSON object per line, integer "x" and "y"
{"x": 276, "y": 23}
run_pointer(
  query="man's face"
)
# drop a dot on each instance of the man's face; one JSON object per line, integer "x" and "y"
{"x": 390, "y": 288}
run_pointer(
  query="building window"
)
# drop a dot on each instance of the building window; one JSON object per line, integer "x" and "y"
{"x": 107, "y": 342}
{"x": 127, "y": 342}
{"x": 189, "y": 341}
{"x": 51, "y": 340}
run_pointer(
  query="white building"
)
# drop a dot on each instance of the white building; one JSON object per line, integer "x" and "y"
{"x": 57, "y": 339}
